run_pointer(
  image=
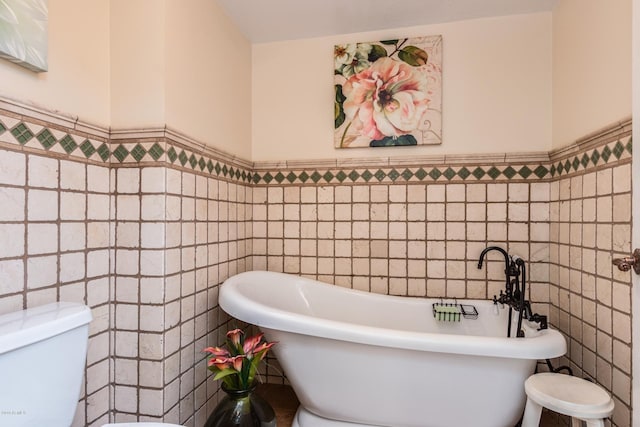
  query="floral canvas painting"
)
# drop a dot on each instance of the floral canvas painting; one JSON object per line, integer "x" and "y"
{"x": 23, "y": 32}
{"x": 388, "y": 93}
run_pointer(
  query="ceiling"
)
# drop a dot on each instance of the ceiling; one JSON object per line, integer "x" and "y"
{"x": 275, "y": 20}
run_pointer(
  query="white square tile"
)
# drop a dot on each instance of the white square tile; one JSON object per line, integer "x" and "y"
{"x": 13, "y": 240}
{"x": 12, "y": 201}
{"x": 72, "y": 175}
{"x": 43, "y": 172}
{"x": 98, "y": 179}
{"x": 42, "y": 271}
{"x": 72, "y": 236}
{"x": 152, "y": 262}
{"x": 72, "y": 267}
{"x": 98, "y": 206}
{"x": 128, "y": 234}
{"x": 128, "y": 208}
{"x": 72, "y": 206}
{"x": 153, "y": 208}
{"x": 42, "y": 205}
{"x": 11, "y": 276}
{"x": 98, "y": 263}
{"x": 128, "y": 180}
{"x": 13, "y": 168}
{"x": 188, "y": 184}
{"x": 98, "y": 234}
{"x": 127, "y": 261}
{"x": 153, "y": 180}
{"x": 152, "y": 235}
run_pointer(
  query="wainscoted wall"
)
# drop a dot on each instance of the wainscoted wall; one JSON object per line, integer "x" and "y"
{"x": 143, "y": 227}
{"x": 590, "y": 218}
{"x": 416, "y": 229}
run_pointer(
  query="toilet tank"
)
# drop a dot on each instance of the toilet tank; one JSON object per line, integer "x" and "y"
{"x": 42, "y": 357}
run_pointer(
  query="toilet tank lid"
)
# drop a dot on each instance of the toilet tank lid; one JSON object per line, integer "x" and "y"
{"x": 39, "y": 323}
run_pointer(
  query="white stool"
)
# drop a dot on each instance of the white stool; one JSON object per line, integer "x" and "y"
{"x": 567, "y": 395}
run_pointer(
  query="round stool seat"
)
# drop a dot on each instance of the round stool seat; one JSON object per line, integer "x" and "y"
{"x": 569, "y": 395}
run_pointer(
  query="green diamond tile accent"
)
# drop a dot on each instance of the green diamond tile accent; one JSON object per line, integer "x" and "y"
{"x": 138, "y": 152}
{"x": 171, "y": 153}
{"x": 68, "y": 144}
{"x": 267, "y": 177}
{"x": 435, "y": 174}
{"x": 629, "y": 146}
{"x": 540, "y": 171}
{"x": 22, "y": 133}
{"x": 575, "y": 163}
{"x": 238, "y": 173}
{"x": 328, "y": 176}
{"x": 524, "y": 172}
{"x": 509, "y": 172}
{"x": 407, "y": 174}
{"x": 354, "y": 175}
{"x": 584, "y": 161}
{"x": 380, "y": 175}
{"x": 464, "y": 173}
{"x": 478, "y": 172}
{"x": 449, "y": 174}
{"x": 193, "y": 161}
{"x": 256, "y": 178}
{"x": 87, "y": 148}
{"x": 421, "y": 174}
{"x": 120, "y": 153}
{"x": 2, "y": 128}
{"x": 46, "y": 138}
{"x": 595, "y": 157}
{"x": 494, "y": 172}
{"x": 279, "y": 177}
{"x": 202, "y": 163}
{"x": 304, "y": 177}
{"x": 553, "y": 170}
{"x": 232, "y": 172}
{"x": 367, "y": 175}
{"x": 249, "y": 177}
{"x": 244, "y": 175}
{"x": 103, "y": 152}
{"x": 183, "y": 158}
{"x": 210, "y": 166}
{"x": 393, "y": 174}
{"x": 218, "y": 168}
{"x": 156, "y": 151}
{"x": 341, "y": 176}
{"x": 315, "y": 176}
{"x": 618, "y": 149}
{"x": 567, "y": 166}
{"x": 225, "y": 170}
{"x": 291, "y": 177}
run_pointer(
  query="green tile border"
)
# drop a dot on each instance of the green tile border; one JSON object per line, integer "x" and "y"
{"x": 147, "y": 150}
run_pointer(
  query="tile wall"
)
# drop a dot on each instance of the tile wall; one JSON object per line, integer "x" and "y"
{"x": 590, "y": 222}
{"x": 143, "y": 227}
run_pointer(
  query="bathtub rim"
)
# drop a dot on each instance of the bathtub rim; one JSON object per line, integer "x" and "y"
{"x": 546, "y": 344}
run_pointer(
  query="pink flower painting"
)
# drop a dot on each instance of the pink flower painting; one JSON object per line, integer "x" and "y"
{"x": 388, "y": 93}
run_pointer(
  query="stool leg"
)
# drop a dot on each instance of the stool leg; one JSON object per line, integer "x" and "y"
{"x": 532, "y": 413}
{"x": 595, "y": 423}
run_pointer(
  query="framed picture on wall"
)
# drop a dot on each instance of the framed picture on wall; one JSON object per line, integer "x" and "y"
{"x": 23, "y": 33}
{"x": 388, "y": 93}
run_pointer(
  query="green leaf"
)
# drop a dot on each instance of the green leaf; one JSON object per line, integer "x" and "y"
{"x": 376, "y": 53}
{"x": 389, "y": 141}
{"x": 224, "y": 372}
{"x": 389, "y": 42}
{"x": 338, "y": 108}
{"x": 413, "y": 56}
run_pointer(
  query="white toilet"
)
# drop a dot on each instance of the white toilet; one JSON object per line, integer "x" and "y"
{"x": 42, "y": 356}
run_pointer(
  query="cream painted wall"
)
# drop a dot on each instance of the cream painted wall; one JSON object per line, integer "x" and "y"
{"x": 138, "y": 63}
{"x": 77, "y": 83}
{"x": 497, "y": 91}
{"x": 591, "y": 66}
{"x": 208, "y": 76}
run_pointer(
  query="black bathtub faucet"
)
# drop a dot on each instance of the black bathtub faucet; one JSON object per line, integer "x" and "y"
{"x": 514, "y": 294}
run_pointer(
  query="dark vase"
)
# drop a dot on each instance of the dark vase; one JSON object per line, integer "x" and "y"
{"x": 242, "y": 408}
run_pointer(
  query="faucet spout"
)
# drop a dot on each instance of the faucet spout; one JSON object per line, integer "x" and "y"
{"x": 494, "y": 248}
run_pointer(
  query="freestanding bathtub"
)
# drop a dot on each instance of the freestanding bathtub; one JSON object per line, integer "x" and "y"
{"x": 356, "y": 358}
